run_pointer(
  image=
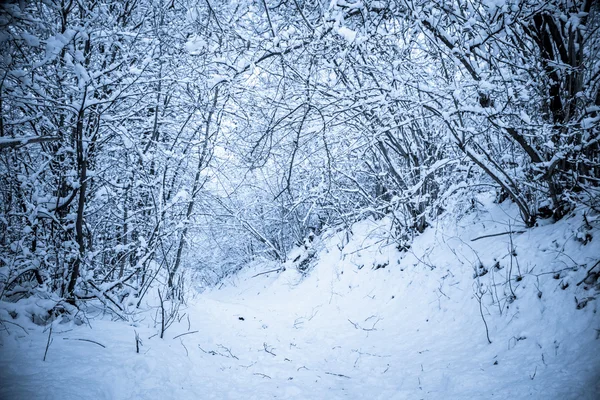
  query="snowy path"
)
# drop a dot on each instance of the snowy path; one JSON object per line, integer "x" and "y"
{"x": 342, "y": 332}
{"x": 275, "y": 353}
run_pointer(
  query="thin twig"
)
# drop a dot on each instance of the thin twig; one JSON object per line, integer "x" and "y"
{"x": 512, "y": 252}
{"x": 588, "y": 273}
{"x": 340, "y": 375}
{"x": 162, "y": 314}
{"x": 534, "y": 372}
{"x": 187, "y": 333}
{"x": 211, "y": 352}
{"x": 487, "y": 332}
{"x": 496, "y": 234}
{"x": 227, "y": 350}
{"x": 365, "y": 329}
{"x": 137, "y": 342}
{"x": 86, "y": 340}
{"x": 267, "y": 349}
{"x": 268, "y": 272}
{"x": 10, "y": 322}
{"x": 48, "y": 343}
{"x": 186, "y": 350}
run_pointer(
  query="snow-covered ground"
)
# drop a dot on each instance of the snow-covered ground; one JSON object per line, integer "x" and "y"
{"x": 365, "y": 321}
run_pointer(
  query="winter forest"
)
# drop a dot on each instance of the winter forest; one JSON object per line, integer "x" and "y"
{"x": 299, "y": 199}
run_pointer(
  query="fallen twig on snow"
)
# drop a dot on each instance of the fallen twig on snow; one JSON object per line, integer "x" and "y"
{"x": 532, "y": 377}
{"x": 479, "y": 300}
{"x": 186, "y": 350}
{"x": 365, "y": 329}
{"x": 496, "y": 234}
{"x": 227, "y": 350}
{"x": 183, "y": 334}
{"x": 86, "y": 340}
{"x": 268, "y": 272}
{"x": 266, "y": 347}
{"x": 340, "y": 375}
{"x": 211, "y": 352}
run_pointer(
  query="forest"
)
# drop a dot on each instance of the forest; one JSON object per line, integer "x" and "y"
{"x": 152, "y": 151}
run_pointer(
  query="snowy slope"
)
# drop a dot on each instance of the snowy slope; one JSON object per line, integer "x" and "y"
{"x": 364, "y": 321}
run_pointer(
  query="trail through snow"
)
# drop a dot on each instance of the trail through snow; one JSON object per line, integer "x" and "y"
{"x": 410, "y": 329}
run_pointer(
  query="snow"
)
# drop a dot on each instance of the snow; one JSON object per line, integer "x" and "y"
{"x": 55, "y": 44}
{"x": 363, "y": 321}
{"x": 589, "y": 122}
{"x": 195, "y": 45}
{"x": 525, "y": 117}
{"x": 347, "y": 33}
{"x": 30, "y": 39}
